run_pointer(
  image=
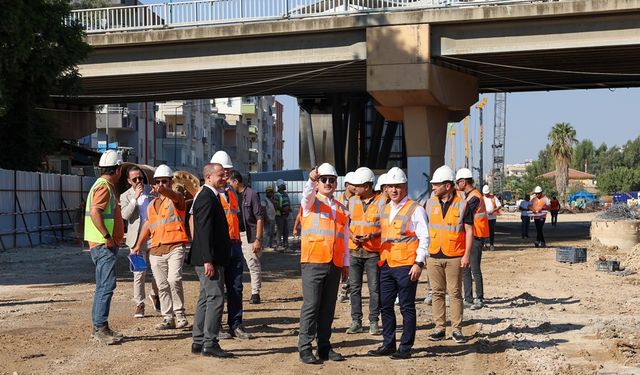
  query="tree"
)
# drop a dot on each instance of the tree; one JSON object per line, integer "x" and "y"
{"x": 39, "y": 51}
{"x": 619, "y": 179}
{"x": 562, "y": 137}
{"x": 584, "y": 156}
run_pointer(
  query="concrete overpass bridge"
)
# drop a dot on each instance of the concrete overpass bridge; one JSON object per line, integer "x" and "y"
{"x": 423, "y": 63}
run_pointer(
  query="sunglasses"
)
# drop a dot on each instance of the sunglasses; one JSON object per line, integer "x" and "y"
{"x": 162, "y": 181}
{"x": 136, "y": 179}
{"x": 328, "y": 180}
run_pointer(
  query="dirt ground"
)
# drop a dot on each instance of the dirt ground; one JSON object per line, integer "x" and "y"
{"x": 542, "y": 317}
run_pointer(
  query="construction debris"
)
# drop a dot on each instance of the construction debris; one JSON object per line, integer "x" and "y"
{"x": 620, "y": 212}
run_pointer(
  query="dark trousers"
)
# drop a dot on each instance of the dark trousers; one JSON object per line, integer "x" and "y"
{"x": 358, "y": 267}
{"x": 396, "y": 282}
{"x": 524, "y": 228}
{"x": 554, "y": 217}
{"x": 474, "y": 273}
{"x": 320, "y": 283}
{"x": 539, "y": 225}
{"x": 206, "y": 322}
{"x": 233, "y": 284}
{"x": 282, "y": 222}
{"x": 492, "y": 231}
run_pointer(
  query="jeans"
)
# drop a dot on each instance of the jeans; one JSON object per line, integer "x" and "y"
{"x": 167, "y": 271}
{"x": 283, "y": 230}
{"x": 358, "y": 267}
{"x": 105, "y": 260}
{"x": 233, "y": 284}
{"x": 396, "y": 282}
{"x": 492, "y": 231}
{"x": 524, "y": 229}
{"x": 474, "y": 273}
{"x": 539, "y": 227}
{"x": 554, "y": 217}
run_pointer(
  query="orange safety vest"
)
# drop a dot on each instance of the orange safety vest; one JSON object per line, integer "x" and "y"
{"x": 447, "y": 234}
{"x": 365, "y": 222}
{"x": 231, "y": 211}
{"x": 399, "y": 244}
{"x": 480, "y": 218}
{"x": 167, "y": 224}
{"x": 537, "y": 205}
{"x": 323, "y": 237}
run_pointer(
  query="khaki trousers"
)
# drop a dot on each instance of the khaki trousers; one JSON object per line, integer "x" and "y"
{"x": 253, "y": 263}
{"x": 167, "y": 271}
{"x": 445, "y": 275}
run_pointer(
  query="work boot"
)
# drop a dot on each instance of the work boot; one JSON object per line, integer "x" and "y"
{"x": 428, "y": 299}
{"x": 167, "y": 323}
{"x": 356, "y": 327}
{"x": 139, "y": 313}
{"x": 181, "y": 321}
{"x": 114, "y": 334}
{"x": 374, "y": 328}
{"x": 101, "y": 335}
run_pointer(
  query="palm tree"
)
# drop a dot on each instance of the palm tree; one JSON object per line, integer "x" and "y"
{"x": 562, "y": 137}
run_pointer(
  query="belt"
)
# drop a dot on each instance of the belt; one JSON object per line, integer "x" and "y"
{"x": 236, "y": 242}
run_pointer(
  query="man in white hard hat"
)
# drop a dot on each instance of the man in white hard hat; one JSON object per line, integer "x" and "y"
{"x": 324, "y": 262}
{"x": 283, "y": 209}
{"x": 104, "y": 231}
{"x": 475, "y": 204}
{"x": 451, "y": 238}
{"x": 364, "y": 247}
{"x": 493, "y": 207}
{"x": 134, "y": 203}
{"x": 539, "y": 207}
{"x": 405, "y": 238}
{"x": 165, "y": 225}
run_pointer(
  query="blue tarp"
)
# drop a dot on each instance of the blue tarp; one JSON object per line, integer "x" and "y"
{"x": 623, "y": 197}
{"x": 586, "y": 196}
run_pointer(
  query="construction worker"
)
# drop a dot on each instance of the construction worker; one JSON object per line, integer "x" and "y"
{"x": 403, "y": 251}
{"x": 233, "y": 271}
{"x": 492, "y": 205}
{"x": 364, "y": 249}
{"x": 165, "y": 224}
{"x": 324, "y": 262}
{"x": 283, "y": 209}
{"x": 104, "y": 231}
{"x": 451, "y": 238}
{"x": 269, "y": 214}
{"x": 554, "y": 208}
{"x": 349, "y": 191}
{"x": 475, "y": 204}
{"x": 539, "y": 207}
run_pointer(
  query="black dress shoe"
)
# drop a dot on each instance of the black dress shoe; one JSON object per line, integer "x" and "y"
{"x": 401, "y": 355}
{"x": 215, "y": 351}
{"x": 255, "y": 299}
{"x": 196, "y": 348}
{"x": 382, "y": 351}
{"x": 331, "y": 356}
{"x": 307, "y": 357}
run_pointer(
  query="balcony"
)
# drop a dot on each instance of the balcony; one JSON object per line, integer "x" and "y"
{"x": 248, "y": 109}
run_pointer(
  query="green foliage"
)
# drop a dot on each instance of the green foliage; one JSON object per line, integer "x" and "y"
{"x": 38, "y": 56}
{"x": 584, "y": 153}
{"x": 91, "y": 4}
{"x": 619, "y": 179}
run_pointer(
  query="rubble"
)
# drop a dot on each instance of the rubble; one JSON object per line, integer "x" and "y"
{"x": 619, "y": 212}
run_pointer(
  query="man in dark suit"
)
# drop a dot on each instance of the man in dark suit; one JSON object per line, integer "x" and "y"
{"x": 210, "y": 253}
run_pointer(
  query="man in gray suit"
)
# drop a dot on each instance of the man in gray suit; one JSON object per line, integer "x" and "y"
{"x": 133, "y": 204}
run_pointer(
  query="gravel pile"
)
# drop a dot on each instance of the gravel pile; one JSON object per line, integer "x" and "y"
{"x": 620, "y": 212}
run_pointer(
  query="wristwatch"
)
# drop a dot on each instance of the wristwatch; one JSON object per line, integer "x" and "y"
{"x": 107, "y": 236}
{"x": 420, "y": 264}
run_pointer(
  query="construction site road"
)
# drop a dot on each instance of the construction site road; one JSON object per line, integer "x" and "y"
{"x": 541, "y": 317}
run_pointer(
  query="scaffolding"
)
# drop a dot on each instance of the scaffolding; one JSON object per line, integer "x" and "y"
{"x": 499, "y": 137}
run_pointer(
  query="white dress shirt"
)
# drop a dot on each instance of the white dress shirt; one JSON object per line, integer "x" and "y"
{"x": 492, "y": 204}
{"x": 417, "y": 224}
{"x": 309, "y": 197}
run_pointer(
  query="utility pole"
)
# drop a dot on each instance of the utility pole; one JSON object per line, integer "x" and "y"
{"x": 480, "y": 107}
{"x": 466, "y": 142}
{"x": 499, "y": 139}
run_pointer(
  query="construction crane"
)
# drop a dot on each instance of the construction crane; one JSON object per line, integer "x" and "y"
{"x": 452, "y": 140}
{"x": 480, "y": 107}
{"x": 499, "y": 138}
{"x": 466, "y": 142}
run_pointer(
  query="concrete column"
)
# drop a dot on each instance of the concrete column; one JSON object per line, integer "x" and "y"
{"x": 425, "y": 133}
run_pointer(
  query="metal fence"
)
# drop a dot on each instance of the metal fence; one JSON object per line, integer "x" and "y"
{"x": 40, "y": 208}
{"x": 207, "y": 12}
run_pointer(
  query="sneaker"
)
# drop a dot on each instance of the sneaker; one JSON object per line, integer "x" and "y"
{"x": 467, "y": 305}
{"x": 458, "y": 337}
{"x": 491, "y": 248}
{"x": 181, "y": 321}
{"x": 167, "y": 323}
{"x": 356, "y": 327}
{"x": 477, "y": 304}
{"x": 139, "y": 313}
{"x": 156, "y": 302}
{"x": 255, "y": 299}
{"x": 114, "y": 334}
{"x": 241, "y": 333}
{"x": 397, "y": 302}
{"x": 374, "y": 328}
{"x": 224, "y": 335}
{"x": 437, "y": 336}
{"x": 543, "y": 244}
{"x": 103, "y": 337}
{"x": 343, "y": 297}
{"x": 536, "y": 244}
{"x": 428, "y": 300}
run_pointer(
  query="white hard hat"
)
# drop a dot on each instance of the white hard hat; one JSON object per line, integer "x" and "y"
{"x": 395, "y": 176}
{"x": 538, "y": 189}
{"x": 463, "y": 173}
{"x": 485, "y": 189}
{"x": 442, "y": 174}
{"x": 223, "y": 158}
{"x": 380, "y": 182}
{"x": 348, "y": 178}
{"x": 279, "y": 182}
{"x": 110, "y": 158}
{"x": 327, "y": 169}
{"x": 363, "y": 175}
{"x": 163, "y": 170}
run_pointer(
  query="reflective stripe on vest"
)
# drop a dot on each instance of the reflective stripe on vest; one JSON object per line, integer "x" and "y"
{"x": 167, "y": 224}
{"x": 480, "y": 217}
{"x": 399, "y": 244}
{"x": 91, "y": 232}
{"x": 322, "y": 236}
{"x": 365, "y": 222}
{"x": 447, "y": 234}
{"x": 231, "y": 211}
